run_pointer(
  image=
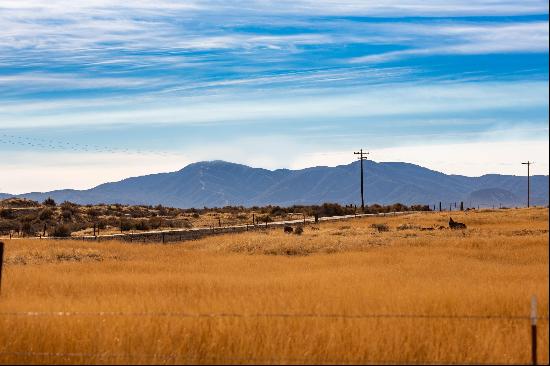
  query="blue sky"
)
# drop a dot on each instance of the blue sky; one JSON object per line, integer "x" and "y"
{"x": 104, "y": 90}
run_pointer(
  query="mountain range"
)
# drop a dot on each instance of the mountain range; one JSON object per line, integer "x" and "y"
{"x": 220, "y": 183}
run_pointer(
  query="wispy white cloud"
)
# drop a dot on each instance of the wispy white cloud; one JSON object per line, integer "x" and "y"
{"x": 383, "y": 100}
{"x": 403, "y": 7}
{"x": 467, "y": 39}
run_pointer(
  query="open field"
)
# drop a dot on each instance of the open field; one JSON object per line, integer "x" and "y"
{"x": 235, "y": 298}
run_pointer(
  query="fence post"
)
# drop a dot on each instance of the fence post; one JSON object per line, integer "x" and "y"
{"x": 162, "y": 238}
{"x": 534, "y": 329}
{"x": 461, "y": 206}
{"x": 1, "y": 262}
{"x": 439, "y": 205}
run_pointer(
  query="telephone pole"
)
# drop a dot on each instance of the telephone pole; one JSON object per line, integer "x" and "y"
{"x": 362, "y": 156}
{"x": 528, "y": 183}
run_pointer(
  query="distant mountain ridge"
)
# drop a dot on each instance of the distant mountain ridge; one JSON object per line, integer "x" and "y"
{"x": 219, "y": 183}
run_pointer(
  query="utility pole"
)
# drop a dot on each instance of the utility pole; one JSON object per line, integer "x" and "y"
{"x": 528, "y": 183}
{"x": 362, "y": 156}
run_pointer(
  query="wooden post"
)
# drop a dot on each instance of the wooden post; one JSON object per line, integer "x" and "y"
{"x": 534, "y": 329}
{"x": 44, "y": 233}
{"x": 219, "y": 222}
{"x": 461, "y": 206}
{"x": 1, "y": 262}
{"x": 439, "y": 205}
{"x": 316, "y": 217}
{"x": 253, "y": 220}
{"x": 162, "y": 238}
{"x": 304, "y": 219}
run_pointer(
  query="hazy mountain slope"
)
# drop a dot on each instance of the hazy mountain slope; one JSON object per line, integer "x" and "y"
{"x": 219, "y": 183}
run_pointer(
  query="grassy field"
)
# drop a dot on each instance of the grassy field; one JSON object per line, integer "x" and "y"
{"x": 347, "y": 268}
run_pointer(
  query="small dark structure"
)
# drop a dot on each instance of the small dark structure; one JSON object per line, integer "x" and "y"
{"x": 288, "y": 229}
{"x": 456, "y": 225}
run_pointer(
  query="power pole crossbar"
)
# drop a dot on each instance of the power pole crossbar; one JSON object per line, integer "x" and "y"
{"x": 362, "y": 156}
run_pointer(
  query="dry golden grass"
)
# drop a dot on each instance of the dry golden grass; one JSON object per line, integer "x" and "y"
{"x": 348, "y": 268}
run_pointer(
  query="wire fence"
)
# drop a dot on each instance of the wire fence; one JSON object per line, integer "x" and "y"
{"x": 182, "y": 358}
{"x": 179, "y": 358}
{"x": 265, "y": 315}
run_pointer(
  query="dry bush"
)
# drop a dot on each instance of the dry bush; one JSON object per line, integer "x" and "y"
{"x": 381, "y": 227}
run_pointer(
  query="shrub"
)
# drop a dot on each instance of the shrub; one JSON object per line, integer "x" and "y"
{"x": 45, "y": 214}
{"x": 6, "y": 213}
{"x": 155, "y": 222}
{"x": 126, "y": 225}
{"x": 408, "y": 227}
{"x": 62, "y": 231}
{"x": 93, "y": 212}
{"x": 27, "y": 228}
{"x": 49, "y": 202}
{"x": 299, "y": 230}
{"x": 143, "y": 225}
{"x": 380, "y": 227}
{"x": 263, "y": 219}
{"x": 7, "y": 225}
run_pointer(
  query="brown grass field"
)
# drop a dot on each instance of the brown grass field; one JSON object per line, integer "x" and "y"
{"x": 153, "y": 295}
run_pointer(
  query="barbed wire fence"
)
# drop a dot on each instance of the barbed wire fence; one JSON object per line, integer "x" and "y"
{"x": 182, "y": 358}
